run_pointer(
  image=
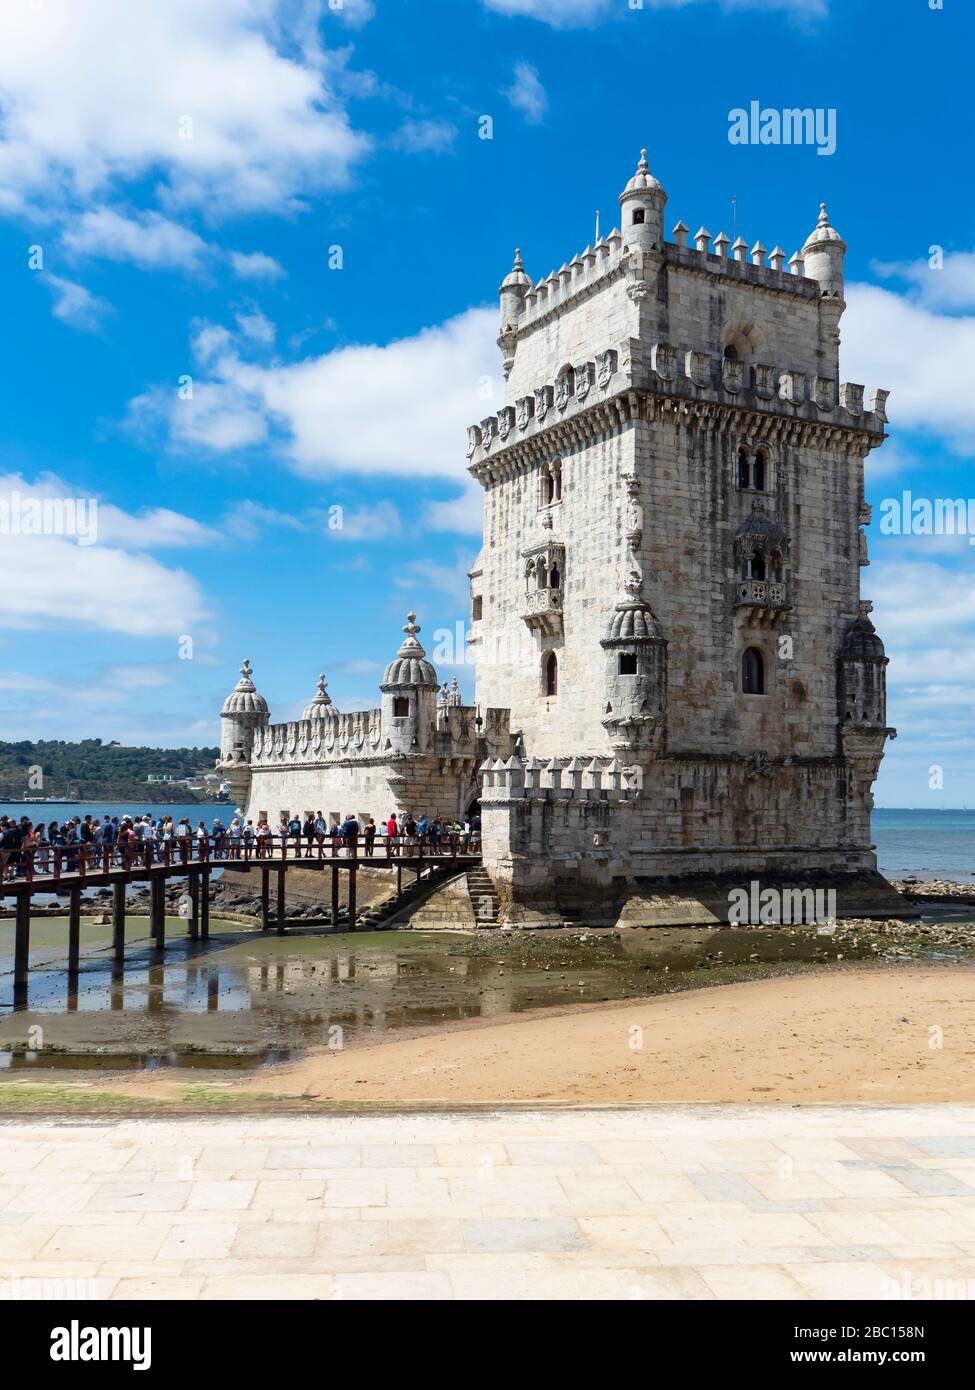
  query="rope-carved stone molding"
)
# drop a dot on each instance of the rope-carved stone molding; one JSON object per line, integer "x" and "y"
{"x": 606, "y": 419}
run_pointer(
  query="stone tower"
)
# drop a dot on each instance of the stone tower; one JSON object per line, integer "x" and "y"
{"x": 243, "y": 712}
{"x": 668, "y": 597}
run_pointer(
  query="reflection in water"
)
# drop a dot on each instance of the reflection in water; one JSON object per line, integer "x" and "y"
{"x": 244, "y": 997}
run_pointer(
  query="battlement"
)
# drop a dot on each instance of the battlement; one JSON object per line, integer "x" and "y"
{"x": 598, "y": 263}
{"x": 353, "y": 735}
{"x": 578, "y": 778}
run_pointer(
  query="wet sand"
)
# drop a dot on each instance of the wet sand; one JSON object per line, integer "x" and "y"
{"x": 892, "y": 1035}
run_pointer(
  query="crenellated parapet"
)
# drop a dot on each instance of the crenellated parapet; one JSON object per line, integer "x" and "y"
{"x": 581, "y": 777}
{"x": 603, "y": 393}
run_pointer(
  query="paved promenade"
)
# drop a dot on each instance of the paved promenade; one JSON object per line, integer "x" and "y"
{"x": 690, "y": 1202}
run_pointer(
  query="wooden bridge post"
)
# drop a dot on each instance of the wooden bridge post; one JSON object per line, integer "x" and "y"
{"x": 265, "y": 899}
{"x": 157, "y": 912}
{"x": 353, "y": 870}
{"x": 193, "y": 886}
{"x": 205, "y": 905}
{"x": 118, "y": 920}
{"x": 22, "y": 938}
{"x": 335, "y": 895}
{"x": 399, "y": 881}
{"x": 280, "y": 913}
{"x": 74, "y": 929}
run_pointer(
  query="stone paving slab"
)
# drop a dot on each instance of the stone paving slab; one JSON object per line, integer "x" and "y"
{"x": 644, "y": 1202}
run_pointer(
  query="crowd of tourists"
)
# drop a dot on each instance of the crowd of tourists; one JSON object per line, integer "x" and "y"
{"x": 154, "y": 840}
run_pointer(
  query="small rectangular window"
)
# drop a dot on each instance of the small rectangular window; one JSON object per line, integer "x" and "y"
{"x": 638, "y": 215}
{"x": 477, "y": 609}
{"x": 627, "y": 663}
{"x": 401, "y": 707}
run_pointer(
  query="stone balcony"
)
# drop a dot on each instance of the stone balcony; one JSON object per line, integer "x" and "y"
{"x": 542, "y": 610}
{"x": 763, "y": 599}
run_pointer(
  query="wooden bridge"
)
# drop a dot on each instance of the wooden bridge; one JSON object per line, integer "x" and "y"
{"x": 73, "y": 868}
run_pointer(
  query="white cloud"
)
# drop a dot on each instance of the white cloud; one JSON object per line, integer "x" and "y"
{"x": 527, "y": 94}
{"x": 419, "y": 576}
{"x": 52, "y": 580}
{"x": 923, "y": 358}
{"x": 464, "y": 513}
{"x": 257, "y": 327}
{"x": 570, "y": 14}
{"x": 367, "y": 523}
{"x": 155, "y": 528}
{"x": 400, "y": 409}
{"x": 952, "y": 286}
{"x": 250, "y": 521}
{"x": 99, "y": 94}
{"x": 75, "y": 305}
{"x": 563, "y": 14}
{"x": 353, "y": 13}
{"x": 421, "y": 137}
{"x": 255, "y": 265}
{"x": 146, "y": 239}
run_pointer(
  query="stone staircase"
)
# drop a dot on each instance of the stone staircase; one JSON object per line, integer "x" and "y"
{"x": 484, "y": 899}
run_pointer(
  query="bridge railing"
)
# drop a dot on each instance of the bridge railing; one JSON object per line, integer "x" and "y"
{"x": 82, "y": 859}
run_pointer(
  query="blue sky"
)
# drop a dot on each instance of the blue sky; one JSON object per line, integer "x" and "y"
{"x": 290, "y": 203}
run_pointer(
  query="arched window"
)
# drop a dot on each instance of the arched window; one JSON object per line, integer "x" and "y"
{"x": 554, "y": 578}
{"x": 744, "y": 471}
{"x": 627, "y": 663}
{"x": 550, "y": 673}
{"x": 547, "y": 488}
{"x": 758, "y": 471}
{"x": 757, "y": 566}
{"x": 556, "y": 481}
{"x": 731, "y": 353}
{"x": 542, "y": 575}
{"x": 753, "y": 672}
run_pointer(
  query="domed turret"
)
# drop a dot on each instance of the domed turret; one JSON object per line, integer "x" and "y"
{"x": 862, "y": 675}
{"x": 244, "y": 710}
{"x": 244, "y": 699}
{"x": 410, "y": 667}
{"x": 823, "y": 257}
{"x": 321, "y": 706}
{"x": 514, "y": 287}
{"x": 642, "y": 209}
{"x": 409, "y": 687}
{"x": 635, "y": 671}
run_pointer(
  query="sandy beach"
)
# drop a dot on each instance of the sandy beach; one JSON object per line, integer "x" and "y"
{"x": 890, "y": 1035}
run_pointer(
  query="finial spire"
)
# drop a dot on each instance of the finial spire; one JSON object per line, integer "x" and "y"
{"x": 412, "y": 627}
{"x": 518, "y": 265}
{"x": 823, "y": 219}
{"x": 247, "y": 669}
{"x": 643, "y": 167}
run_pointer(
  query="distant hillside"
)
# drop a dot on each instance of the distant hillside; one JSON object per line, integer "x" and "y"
{"x": 99, "y": 771}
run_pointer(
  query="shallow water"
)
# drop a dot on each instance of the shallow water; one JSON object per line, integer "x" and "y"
{"x": 245, "y": 998}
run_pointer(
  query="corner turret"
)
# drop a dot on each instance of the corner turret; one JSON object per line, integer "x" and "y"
{"x": 409, "y": 689}
{"x": 635, "y": 672}
{"x": 642, "y": 209}
{"x": 822, "y": 257}
{"x": 244, "y": 711}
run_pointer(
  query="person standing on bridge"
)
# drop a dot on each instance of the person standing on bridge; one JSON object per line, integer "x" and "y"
{"x": 392, "y": 831}
{"x": 350, "y": 834}
{"x": 309, "y": 833}
{"x": 369, "y": 835}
